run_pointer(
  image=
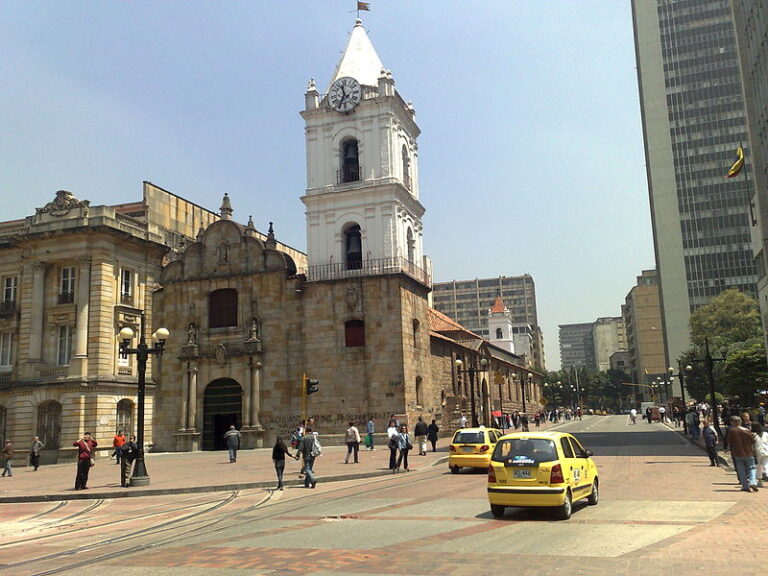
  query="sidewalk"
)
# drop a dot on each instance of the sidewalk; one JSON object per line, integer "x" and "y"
{"x": 189, "y": 472}
{"x": 723, "y": 456}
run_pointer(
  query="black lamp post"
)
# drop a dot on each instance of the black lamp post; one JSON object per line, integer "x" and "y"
{"x": 471, "y": 371}
{"x": 522, "y": 386}
{"x": 142, "y": 352}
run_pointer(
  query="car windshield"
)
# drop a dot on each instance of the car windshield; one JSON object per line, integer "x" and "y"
{"x": 529, "y": 450}
{"x": 469, "y": 438}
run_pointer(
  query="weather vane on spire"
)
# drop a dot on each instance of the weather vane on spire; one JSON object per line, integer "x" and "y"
{"x": 363, "y": 7}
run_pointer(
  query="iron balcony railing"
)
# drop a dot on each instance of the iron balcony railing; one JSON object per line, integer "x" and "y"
{"x": 381, "y": 266}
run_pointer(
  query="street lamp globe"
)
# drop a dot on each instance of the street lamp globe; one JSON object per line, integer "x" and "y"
{"x": 458, "y": 363}
{"x": 126, "y": 334}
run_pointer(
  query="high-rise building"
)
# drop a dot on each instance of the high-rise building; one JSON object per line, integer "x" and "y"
{"x": 645, "y": 339}
{"x": 577, "y": 346}
{"x": 609, "y": 337}
{"x": 751, "y": 23}
{"x": 468, "y": 303}
{"x": 693, "y": 122}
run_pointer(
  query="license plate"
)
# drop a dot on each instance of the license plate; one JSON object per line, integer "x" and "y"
{"x": 469, "y": 450}
{"x": 521, "y": 473}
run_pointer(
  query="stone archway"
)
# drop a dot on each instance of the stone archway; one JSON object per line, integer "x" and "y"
{"x": 222, "y": 407}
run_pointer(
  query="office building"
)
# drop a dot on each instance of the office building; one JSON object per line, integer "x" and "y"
{"x": 577, "y": 346}
{"x": 693, "y": 120}
{"x": 751, "y": 23}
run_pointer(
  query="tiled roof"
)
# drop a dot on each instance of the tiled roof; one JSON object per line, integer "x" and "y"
{"x": 498, "y": 306}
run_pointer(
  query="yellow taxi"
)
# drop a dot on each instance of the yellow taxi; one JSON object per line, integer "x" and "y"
{"x": 541, "y": 469}
{"x": 472, "y": 448}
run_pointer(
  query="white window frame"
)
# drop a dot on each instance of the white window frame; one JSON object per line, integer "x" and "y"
{"x": 10, "y": 285}
{"x": 6, "y": 349}
{"x": 64, "y": 346}
{"x": 67, "y": 285}
{"x": 126, "y": 283}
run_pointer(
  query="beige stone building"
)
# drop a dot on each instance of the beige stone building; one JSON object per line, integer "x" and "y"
{"x": 72, "y": 276}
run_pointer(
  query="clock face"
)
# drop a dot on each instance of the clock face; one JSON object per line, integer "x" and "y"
{"x": 344, "y": 94}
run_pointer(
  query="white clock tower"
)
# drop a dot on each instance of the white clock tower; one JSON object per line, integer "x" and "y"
{"x": 362, "y": 198}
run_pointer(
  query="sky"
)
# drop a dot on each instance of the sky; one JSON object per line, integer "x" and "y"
{"x": 530, "y": 159}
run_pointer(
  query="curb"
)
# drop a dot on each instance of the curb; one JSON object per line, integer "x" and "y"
{"x": 128, "y": 493}
{"x": 724, "y": 462}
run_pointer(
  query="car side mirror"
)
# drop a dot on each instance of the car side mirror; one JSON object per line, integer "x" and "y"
{"x": 588, "y": 453}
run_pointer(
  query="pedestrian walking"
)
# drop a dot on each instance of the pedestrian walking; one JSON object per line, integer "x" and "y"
{"x": 232, "y": 436}
{"x": 432, "y": 431}
{"x": 761, "y": 450}
{"x": 633, "y": 415}
{"x": 7, "y": 457}
{"x": 405, "y": 446}
{"x": 34, "y": 453}
{"x": 309, "y": 449}
{"x": 463, "y": 421}
{"x": 662, "y": 414}
{"x": 420, "y": 431}
{"x": 352, "y": 440}
{"x": 370, "y": 429}
{"x": 85, "y": 460}
{"x": 117, "y": 443}
{"x": 392, "y": 444}
{"x": 524, "y": 422}
{"x": 710, "y": 442}
{"x": 741, "y": 442}
{"x": 279, "y": 452}
{"x": 128, "y": 452}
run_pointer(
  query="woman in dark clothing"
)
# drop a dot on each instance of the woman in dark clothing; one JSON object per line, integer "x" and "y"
{"x": 85, "y": 447}
{"x": 432, "y": 431}
{"x": 278, "y": 457}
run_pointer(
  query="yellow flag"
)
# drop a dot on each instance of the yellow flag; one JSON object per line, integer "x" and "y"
{"x": 738, "y": 164}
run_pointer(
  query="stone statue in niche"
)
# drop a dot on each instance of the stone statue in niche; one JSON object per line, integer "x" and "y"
{"x": 254, "y": 332}
{"x": 223, "y": 252}
{"x": 221, "y": 353}
{"x": 191, "y": 334}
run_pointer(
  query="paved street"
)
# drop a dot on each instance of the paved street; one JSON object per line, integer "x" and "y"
{"x": 663, "y": 510}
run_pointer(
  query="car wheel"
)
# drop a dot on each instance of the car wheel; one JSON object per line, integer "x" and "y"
{"x": 564, "y": 512}
{"x": 595, "y": 496}
{"x": 497, "y": 510}
{"x": 454, "y": 469}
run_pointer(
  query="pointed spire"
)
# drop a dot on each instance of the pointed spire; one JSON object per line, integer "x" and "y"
{"x": 226, "y": 208}
{"x": 498, "y": 306}
{"x": 359, "y": 59}
{"x": 271, "y": 242}
{"x": 250, "y": 225}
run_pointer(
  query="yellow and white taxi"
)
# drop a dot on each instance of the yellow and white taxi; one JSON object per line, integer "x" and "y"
{"x": 472, "y": 448}
{"x": 541, "y": 469}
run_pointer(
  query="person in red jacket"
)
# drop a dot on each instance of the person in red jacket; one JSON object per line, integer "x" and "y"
{"x": 85, "y": 447}
{"x": 117, "y": 444}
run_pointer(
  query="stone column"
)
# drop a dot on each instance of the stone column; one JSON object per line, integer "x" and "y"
{"x": 37, "y": 309}
{"x": 255, "y": 387}
{"x": 192, "y": 398}
{"x": 80, "y": 358}
{"x": 184, "y": 397}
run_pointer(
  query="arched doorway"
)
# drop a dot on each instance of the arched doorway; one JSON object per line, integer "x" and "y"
{"x": 222, "y": 407}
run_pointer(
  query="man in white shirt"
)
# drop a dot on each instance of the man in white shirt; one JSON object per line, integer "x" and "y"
{"x": 463, "y": 421}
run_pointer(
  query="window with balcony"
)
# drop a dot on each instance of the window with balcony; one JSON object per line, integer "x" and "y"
{"x": 67, "y": 286}
{"x": 354, "y": 333}
{"x": 222, "y": 308}
{"x": 126, "y": 286}
{"x": 64, "y": 346}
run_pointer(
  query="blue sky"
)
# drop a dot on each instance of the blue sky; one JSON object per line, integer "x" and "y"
{"x": 531, "y": 154}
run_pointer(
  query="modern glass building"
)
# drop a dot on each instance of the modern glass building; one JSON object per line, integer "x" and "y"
{"x": 577, "y": 346}
{"x": 693, "y": 122}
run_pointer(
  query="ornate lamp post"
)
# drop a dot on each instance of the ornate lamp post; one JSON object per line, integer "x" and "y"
{"x": 142, "y": 352}
{"x": 522, "y": 386}
{"x": 471, "y": 371}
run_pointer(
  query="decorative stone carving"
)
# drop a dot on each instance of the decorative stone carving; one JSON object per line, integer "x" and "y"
{"x": 62, "y": 204}
{"x": 191, "y": 334}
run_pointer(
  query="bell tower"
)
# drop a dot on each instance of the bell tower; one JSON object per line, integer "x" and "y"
{"x": 362, "y": 197}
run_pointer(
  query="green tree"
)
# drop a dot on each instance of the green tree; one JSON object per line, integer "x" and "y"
{"x": 730, "y": 323}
